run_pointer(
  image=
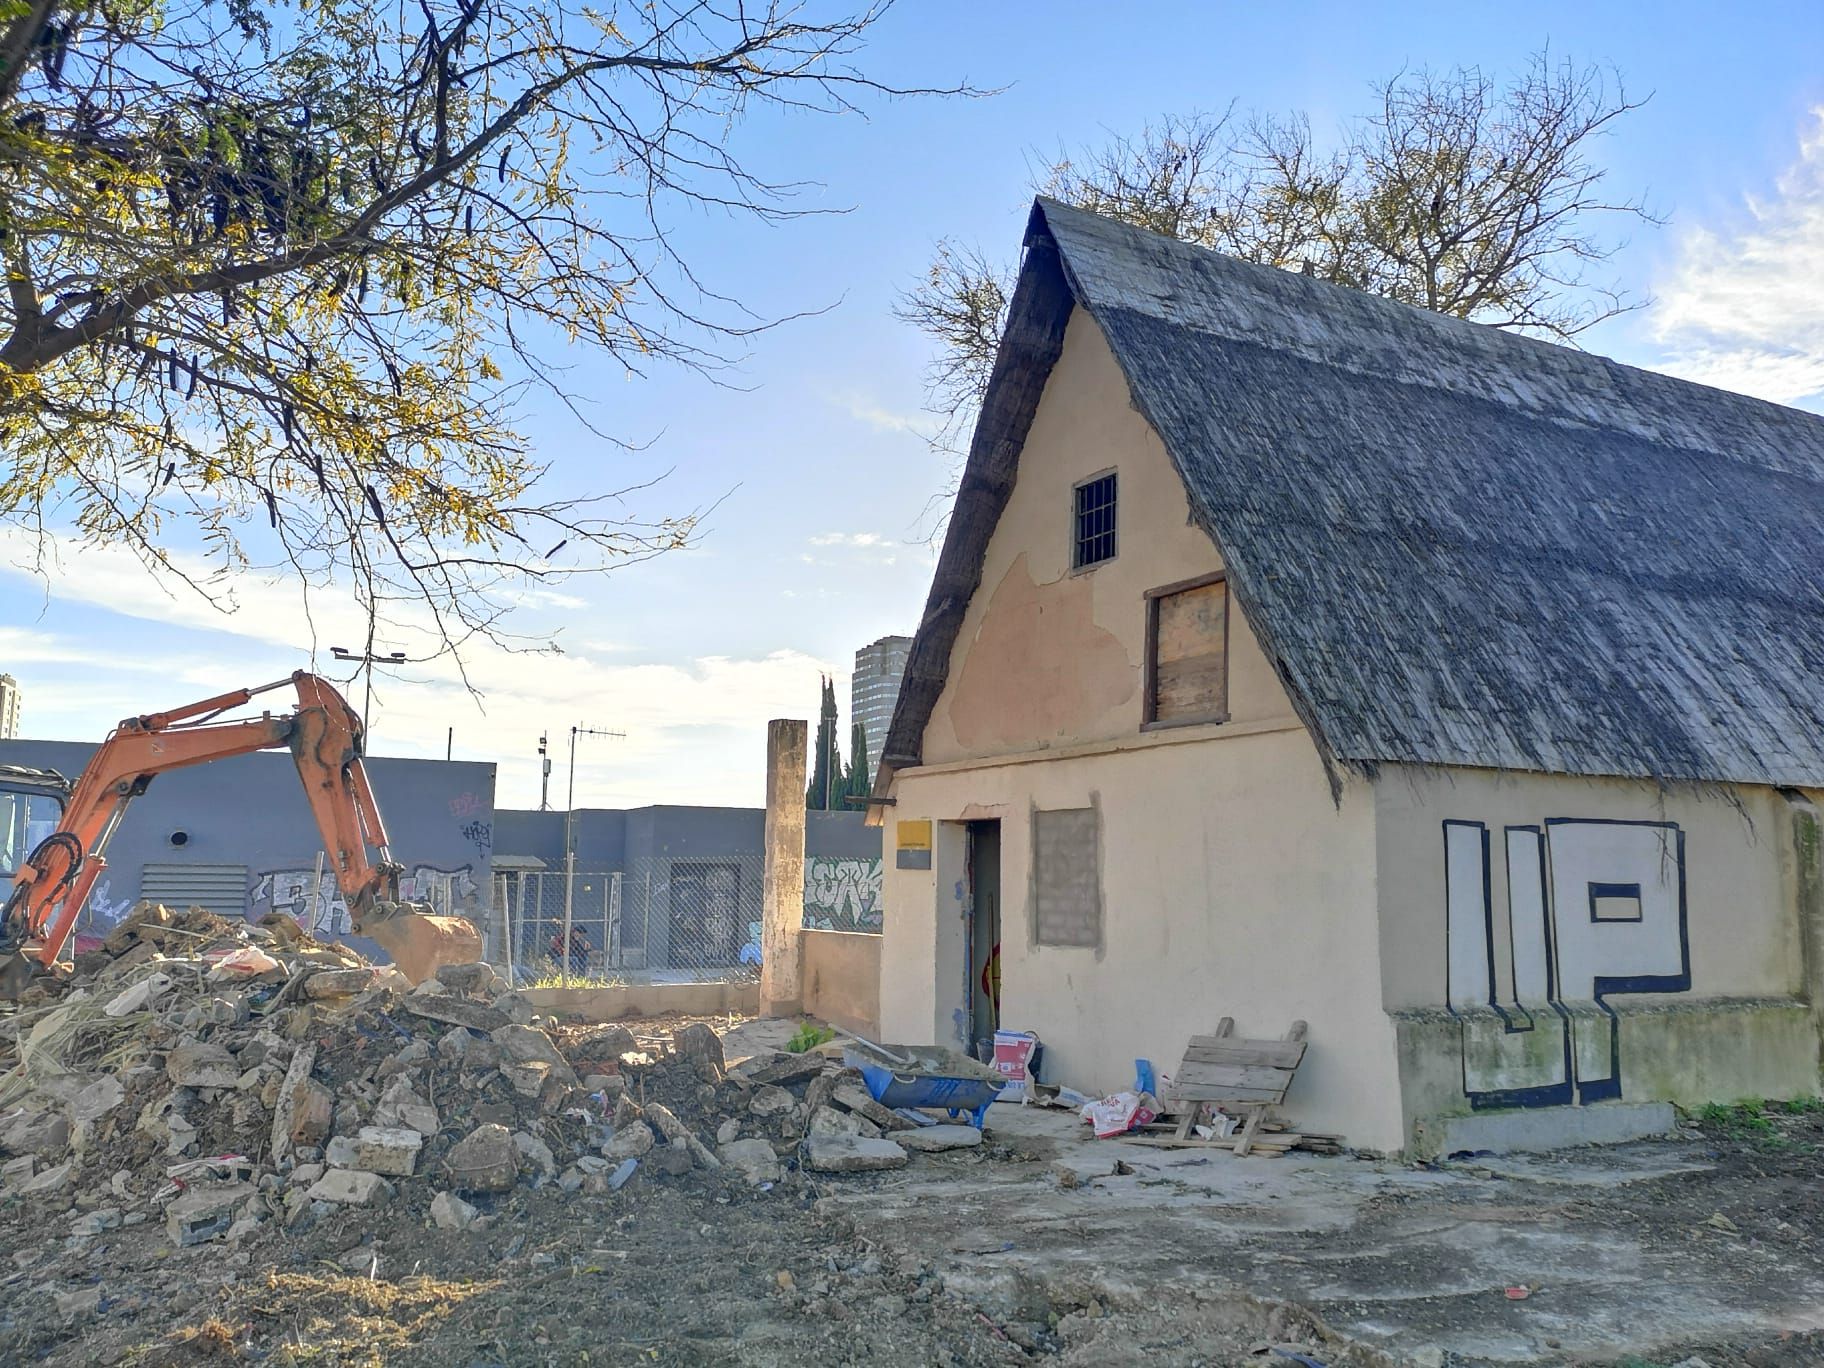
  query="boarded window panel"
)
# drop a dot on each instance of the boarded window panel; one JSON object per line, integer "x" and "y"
{"x": 1066, "y": 879}
{"x": 1190, "y": 655}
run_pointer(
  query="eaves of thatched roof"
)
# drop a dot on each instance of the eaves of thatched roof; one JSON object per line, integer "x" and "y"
{"x": 1459, "y": 546}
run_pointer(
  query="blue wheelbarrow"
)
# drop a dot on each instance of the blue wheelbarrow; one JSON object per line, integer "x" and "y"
{"x": 925, "y": 1076}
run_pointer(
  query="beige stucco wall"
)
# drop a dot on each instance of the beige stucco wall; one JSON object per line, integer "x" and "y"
{"x": 841, "y": 979}
{"x": 1233, "y": 885}
{"x": 1049, "y": 658}
{"x": 1740, "y": 1029}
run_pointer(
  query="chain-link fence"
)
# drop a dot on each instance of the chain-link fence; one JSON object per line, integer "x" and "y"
{"x": 663, "y": 919}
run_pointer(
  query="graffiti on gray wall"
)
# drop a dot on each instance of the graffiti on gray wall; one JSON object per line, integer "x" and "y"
{"x": 1588, "y": 910}
{"x": 319, "y": 908}
{"x": 842, "y": 894}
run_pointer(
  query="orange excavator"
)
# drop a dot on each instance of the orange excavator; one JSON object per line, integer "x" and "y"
{"x": 326, "y": 739}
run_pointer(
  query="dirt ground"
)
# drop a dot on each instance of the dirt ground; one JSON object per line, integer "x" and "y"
{"x": 1040, "y": 1246}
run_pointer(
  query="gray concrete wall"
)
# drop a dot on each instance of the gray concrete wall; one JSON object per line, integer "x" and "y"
{"x": 250, "y": 811}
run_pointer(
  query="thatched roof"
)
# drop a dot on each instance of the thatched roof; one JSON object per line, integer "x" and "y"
{"x": 1458, "y": 546}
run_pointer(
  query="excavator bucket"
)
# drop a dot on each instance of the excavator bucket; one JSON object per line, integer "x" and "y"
{"x": 418, "y": 941}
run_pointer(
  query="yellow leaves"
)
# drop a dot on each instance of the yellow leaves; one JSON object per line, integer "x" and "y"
{"x": 489, "y": 370}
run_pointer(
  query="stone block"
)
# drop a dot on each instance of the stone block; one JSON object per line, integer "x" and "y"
{"x": 754, "y": 1160}
{"x": 934, "y": 1138}
{"x": 859, "y": 1100}
{"x": 769, "y": 1100}
{"x": 205, "y": 1213}
{"x": 528, "y": 1044}
{"x": 629, "y": 1141}
{"x": 196, "y": 1065}
{"x": 391, "y": 1150}
{"x": 484, "y": 1161}
{"x": 852, "y": 1154}
{"x": 450, "y": 1212}
{"x": 350, "y": 1187}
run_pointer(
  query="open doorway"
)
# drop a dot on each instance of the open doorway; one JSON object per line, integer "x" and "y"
{"x": 984, "y": 931}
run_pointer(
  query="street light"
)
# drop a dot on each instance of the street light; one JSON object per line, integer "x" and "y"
{"x": 369, "y": 659}
{"x": 563, "y": 963}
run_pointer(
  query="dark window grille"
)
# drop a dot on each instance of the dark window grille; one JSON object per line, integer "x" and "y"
{"x": 1095, "y": 540}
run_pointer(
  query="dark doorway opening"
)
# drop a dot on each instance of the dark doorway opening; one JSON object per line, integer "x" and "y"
{"x": 984, "y": 931}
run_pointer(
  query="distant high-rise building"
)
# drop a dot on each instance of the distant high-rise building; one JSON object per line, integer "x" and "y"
{"x": 9, "y": 707}
{"x": 879, "y": 667}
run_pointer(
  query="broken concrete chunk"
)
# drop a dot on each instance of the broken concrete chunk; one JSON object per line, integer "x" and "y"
{"x": 450, "y": 1212}
{"x": 516, "y": 1007}
{"x": 769, "y": 1100}
{"x": 350, "y": 1187}
{"x": 306, "y": 1174}
{"x": 400, "y": 1105}
{"x": 456, "y": 1012}
{"x": 754, "y": 1160}
{"x": 729, "y": 1131}
{"x": 455, "y": 1044}
{"x": 830, "y": 1121}
{"x": 42, "y": 1133}
{"x": 312, "y": 1113}
{"x": 528, "y": 1079}
{"x": 406, "y": 1058}
{"x": 528, "y": 1044}
{"x": 779, "y": 1068}
{"x": 933, "y": 1138}
{"x": 340, "y": 1152}
{"x": 92, "y": 1223}
{"x": 484, "y": 1161}
{"x": 629, "y": 1141}
{"x": 205, "y": 1213}
{"x": 53, "y": 1179}
{"x": 852, "y": 1154}
{"x": 76, "y": 1307}
{"x": 15, "y": 1171}
{"x": 860, "y": 1101}
{"x": 535, "y": 1152}
{"x": 703, "y": 1047}
{"x": 332, "y": 983}
{"x": 197, "y": 1065}
{"x": 677, "y": 1132}
{"x": 387, "y": 1149}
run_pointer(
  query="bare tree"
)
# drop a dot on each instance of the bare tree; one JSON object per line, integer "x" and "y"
{"x": 277, "y": 276}
{"x": 1457, "y": 194}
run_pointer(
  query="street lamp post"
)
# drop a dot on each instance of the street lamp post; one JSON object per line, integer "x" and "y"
{"x": 563, "y": 961}
{"x": 369, "y": 659}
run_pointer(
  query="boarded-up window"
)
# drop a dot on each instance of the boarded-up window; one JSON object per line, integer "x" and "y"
{"x": 1067, "y": 884}
{"x": 1187, "y": 653}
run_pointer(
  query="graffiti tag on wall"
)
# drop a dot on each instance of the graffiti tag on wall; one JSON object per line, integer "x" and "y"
{"x": 1591, "y": 909}
{"x": 320, "y": 909}
{"x": 842, "y": 894}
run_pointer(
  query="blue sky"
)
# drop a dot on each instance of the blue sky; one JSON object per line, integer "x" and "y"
{"x": 814, "y": 444}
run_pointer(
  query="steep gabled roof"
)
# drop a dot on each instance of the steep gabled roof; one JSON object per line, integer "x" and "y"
{"x": 1458, "y": 546}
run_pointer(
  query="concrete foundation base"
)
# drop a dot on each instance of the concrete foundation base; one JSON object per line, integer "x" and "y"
{"x": 1544, "y": 1128}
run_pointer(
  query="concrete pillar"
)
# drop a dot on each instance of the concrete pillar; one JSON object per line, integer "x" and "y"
{"x": 782, "y": 914}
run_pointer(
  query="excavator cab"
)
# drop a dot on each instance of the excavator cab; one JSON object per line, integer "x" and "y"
{"x": 31, "y": 806}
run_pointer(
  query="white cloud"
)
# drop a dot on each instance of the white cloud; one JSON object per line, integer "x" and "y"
{"x": 1744, "y": 306}
{"x": 922, "y": 425}
{"x": 849, "y": 539}
{"x": 695, "y": 728}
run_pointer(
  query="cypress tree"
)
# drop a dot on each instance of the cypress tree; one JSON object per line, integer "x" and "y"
{"x": 826, "y": 771}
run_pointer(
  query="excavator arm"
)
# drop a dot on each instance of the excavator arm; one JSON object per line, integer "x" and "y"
{"x": 325, "y": 736}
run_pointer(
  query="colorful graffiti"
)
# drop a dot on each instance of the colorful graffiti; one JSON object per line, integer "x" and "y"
{"x": 319, "y": 908}
{"x": 842, "y": 894}
{"x": 1590, "y": 909}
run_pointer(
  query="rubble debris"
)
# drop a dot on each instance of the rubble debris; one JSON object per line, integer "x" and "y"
{"x": 753, "y": 1159}
{"x": 852, "y": 1154}
{"x": 937, "y": 1138}
{"x": 351, "y": 1187}
{"x": 450, "y": 1212}
{"x": 486, "y": 1161}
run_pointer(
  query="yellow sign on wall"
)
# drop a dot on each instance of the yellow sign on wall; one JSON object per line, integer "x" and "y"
{"x": 913, "y": 842}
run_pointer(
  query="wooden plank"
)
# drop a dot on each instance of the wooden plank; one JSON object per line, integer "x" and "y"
{"x": 1278, "y": 1054}
{"x": 1273, "y": 1145}
{"x": 1187, "y": 655}
{"x": 1250, "y": 1131}
{"x": 1233, "y": 1076}
{"x": 1249, "y": 1097}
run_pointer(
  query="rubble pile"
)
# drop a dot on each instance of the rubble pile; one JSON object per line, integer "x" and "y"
{"x": 225, "y": 1080}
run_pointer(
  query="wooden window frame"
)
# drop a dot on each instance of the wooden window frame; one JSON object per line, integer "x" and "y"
{"x": 1115, "y": 532}
{"x": 1149, "y": 696}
